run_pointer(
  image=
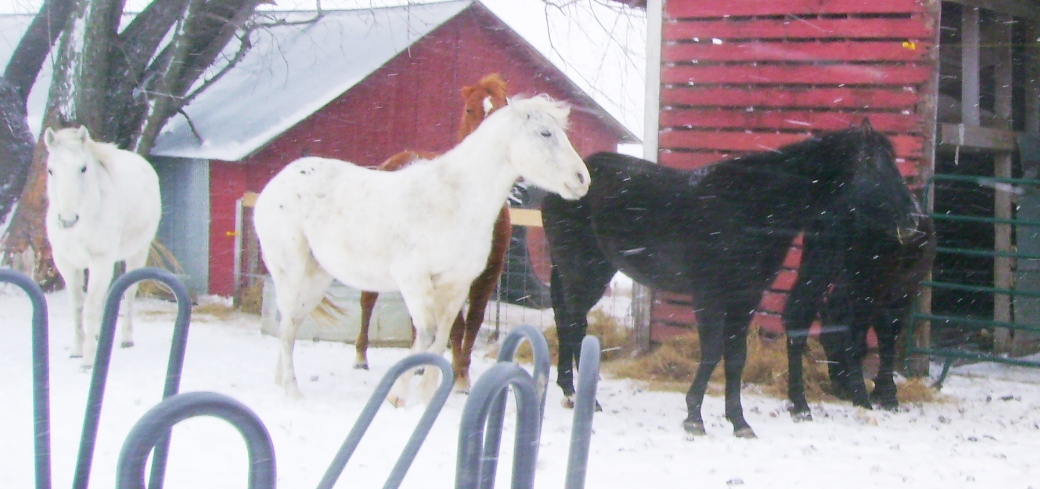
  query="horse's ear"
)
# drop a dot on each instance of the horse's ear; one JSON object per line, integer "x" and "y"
{"x": 467, "y": 91}
{"x": 865, "y": 125}
{"x": 82, "y": 134}
{"x": 48, "y": 137}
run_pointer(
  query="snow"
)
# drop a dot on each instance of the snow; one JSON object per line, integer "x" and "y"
{"x": 983, "y": 434}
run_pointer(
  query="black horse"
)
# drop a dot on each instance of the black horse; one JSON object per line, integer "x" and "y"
{"x": 719, "y": 233}
{"x": 862, "y": 263}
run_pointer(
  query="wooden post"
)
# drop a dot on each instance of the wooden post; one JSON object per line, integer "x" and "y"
{"x": 998, "y": 42}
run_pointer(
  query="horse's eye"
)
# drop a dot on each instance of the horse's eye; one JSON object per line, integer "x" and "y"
{"x": 546, "y": 133}
{"x": 50, "y": 172}
{"x": 83, "y": 170}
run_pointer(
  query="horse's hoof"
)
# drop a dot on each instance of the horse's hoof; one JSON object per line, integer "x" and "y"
{"x": 361, "y": 366}
{"x": 800, "y": 416}
{"x": 567, "y": 402}
{"x": 694, "y": 427}
{"x": 461, "y": 388}
{"x": 745, "y": 432}
{"x": 598, "y": 408}
{"x": 395, "y": 400}
{"x": 126, "y": 344}
{"x": 292, "y": 391}
{"x": 75, "y": 355}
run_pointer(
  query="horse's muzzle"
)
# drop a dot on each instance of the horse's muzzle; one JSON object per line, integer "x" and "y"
{"x": 67, "y": 223}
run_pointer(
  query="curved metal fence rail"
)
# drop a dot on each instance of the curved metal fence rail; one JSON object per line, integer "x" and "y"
{"x": 41, "y": 375}
{"x": 99, "y": 376}
{"x": 485, "y": 395}
{"x": 584, "y": 408}
{"x": 399, "y": 470}
{"x": 496, "y": 415}
{"x": 480, "y": 430}
{"x": 154, "y": 427}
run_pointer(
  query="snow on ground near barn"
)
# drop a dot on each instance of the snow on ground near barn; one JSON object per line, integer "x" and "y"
{"x": 986, "y": 435}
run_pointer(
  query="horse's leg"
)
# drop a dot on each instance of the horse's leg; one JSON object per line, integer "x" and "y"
{"x": 446, "y": 311}
{"x": 126, "y": 313}
{"x": 368, "y": 303}
{"x": 887, "y": 328}
{"x": 464, "y": 333}
{"x": 98, "y": 282}
{"x": 297, "y": 295}
{"x": 572, "y": 301}
{"x": 74, "y": 281}
{"x": 846, "y": 345}
{"x": 710, "y": 331}
{"x": 798, "y": 315}
{"x": 734, "y": 356}
{"x": 801, "y": 308}
{"x": 431, "y": 317}
{"x": 417, "y": 293}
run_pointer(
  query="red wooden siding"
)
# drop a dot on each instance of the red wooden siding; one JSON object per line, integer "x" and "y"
{"x": 412, "y": 102}
{"x": 753, "y": 75}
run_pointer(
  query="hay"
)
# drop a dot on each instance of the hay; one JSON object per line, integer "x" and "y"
{"x": 673, "y": 364}
{"x": 615, "y": 339}
{"x": 159, "y": 256}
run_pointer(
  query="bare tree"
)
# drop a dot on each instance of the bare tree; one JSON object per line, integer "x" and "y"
{"x": 123, "y": 84}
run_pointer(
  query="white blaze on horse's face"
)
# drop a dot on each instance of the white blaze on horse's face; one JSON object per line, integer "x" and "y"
{"x": 488, "y": 106}
{"x": 69, "y": 166}
{"x": 544, "y": 155}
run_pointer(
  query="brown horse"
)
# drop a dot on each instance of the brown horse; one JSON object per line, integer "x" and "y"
{"x": 481, "y": 100}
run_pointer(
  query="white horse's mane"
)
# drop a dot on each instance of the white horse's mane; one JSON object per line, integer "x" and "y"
{"x": 557, "y": 109}
{"x": 101, "y": 152}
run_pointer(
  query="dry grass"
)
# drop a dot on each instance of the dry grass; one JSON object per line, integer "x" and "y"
{"x": 672, "y": 365}
{"x": 252, "y": 298}
{"x": 159, "y": 256}
{"x": 218, "y": 310}
{"x": 615, "y": 339}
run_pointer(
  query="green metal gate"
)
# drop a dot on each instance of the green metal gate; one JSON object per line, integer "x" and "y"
{"x": 1008, "y": 289}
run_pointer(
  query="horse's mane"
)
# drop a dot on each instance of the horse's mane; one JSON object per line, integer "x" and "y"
{"x": 556, "y": 109}
{"x": 101, "y": 152}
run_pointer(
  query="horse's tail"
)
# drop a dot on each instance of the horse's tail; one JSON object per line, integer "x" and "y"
{"x": 328, "y": 314}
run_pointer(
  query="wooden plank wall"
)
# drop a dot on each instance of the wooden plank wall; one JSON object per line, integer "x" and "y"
{"x": 753, "y": 75}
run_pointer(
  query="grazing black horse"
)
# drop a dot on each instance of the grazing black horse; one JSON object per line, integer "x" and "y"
{"x": 863, "y": 260}
{"x": 719, "y": 233}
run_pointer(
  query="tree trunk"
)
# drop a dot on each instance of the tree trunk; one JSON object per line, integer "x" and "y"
{"x": 122, "y": 86}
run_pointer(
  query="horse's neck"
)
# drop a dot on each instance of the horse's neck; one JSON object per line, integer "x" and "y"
{"x": 478, "y": 166}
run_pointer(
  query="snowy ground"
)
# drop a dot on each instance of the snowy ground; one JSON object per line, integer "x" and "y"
{"x": 985, "y": 435}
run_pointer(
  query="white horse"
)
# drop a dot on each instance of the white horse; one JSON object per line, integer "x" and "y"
{"x": 424, "y": 230}
{"x": 103, "y": 207}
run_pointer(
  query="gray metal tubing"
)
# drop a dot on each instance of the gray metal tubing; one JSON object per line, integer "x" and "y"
{"x": 539, "y": 348}
{"x": 422, "y": 428}
{"x": 493, "y": 437}
{"x": 41, "y": 375}
{"x": 96, "y": 395}
{"x": 494, "y": 382}
{"x": 154, "y": 427}
{"x": 584, "y": 408}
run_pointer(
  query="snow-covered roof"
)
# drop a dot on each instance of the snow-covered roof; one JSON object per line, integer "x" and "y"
{"x": 293, "y": 70}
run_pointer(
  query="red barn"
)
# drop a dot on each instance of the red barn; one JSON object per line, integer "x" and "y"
{"x": 953, "y": 83}
{"x": 356, "y": 85}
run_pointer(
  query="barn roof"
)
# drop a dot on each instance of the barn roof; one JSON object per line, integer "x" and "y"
{"x": 301, "y": 64}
